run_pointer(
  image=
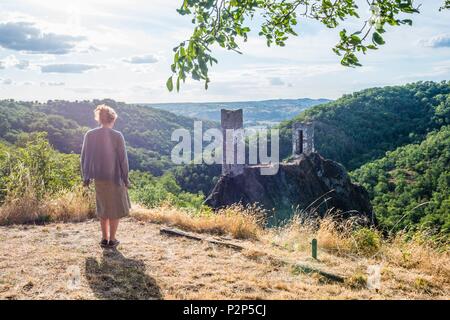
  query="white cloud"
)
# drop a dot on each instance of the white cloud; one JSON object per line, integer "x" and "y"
{"x": 56, "y": 84}
{"x": 439, "y": 41}
{"x": 93, "y": 90}
{"x": 11, "y": 61}
{"x": 276, "y": 81}
{"x": 27, "y": 37}
{"x": 144, "y": 59}
{"x": 67, "y": 68}
{"x": 434, "y": 71}
{"x": 53, "y": 84}
{"x": 22, "y": 65}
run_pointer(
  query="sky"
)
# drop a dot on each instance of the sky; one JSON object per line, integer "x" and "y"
{"x": 122, "y": 49}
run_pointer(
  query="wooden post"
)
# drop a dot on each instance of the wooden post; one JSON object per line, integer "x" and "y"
{"x": 314, "y": 248}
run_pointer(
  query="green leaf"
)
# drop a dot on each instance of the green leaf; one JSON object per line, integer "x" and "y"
{"x": 169, "y": 84}
{"x": 195, "y": 75}
{"x": 203, "y": 66}
{"x": 407, "y": 21}
{"x": 354, "y": 39}
{"x": 377, "y": 38}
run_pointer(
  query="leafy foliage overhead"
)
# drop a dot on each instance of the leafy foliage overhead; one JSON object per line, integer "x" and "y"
{"x": 225, "y": 22}
{"x": 446, "y": 5}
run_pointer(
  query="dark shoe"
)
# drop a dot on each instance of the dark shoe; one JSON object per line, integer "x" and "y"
{"x": 113, "y": 243}
{"x": 104, "y": 243}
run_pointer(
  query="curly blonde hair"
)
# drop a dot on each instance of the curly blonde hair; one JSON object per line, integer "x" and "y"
{"x": 105, "y": 114}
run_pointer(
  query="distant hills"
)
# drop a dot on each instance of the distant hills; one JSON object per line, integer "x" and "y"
{"x": 256, "y": 113}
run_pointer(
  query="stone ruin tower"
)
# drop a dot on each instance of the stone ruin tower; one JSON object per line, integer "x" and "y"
{"x": 231, "y": 119}
{"x": 302, "y": 138}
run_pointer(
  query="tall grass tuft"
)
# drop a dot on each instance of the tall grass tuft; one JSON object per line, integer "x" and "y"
{"x": 346, "y": 238}
{"x": 74, "y": 205}
{"x": 419, "y": 252}
{"x": 240, "y": 222}
{"x": 65, "y": 206}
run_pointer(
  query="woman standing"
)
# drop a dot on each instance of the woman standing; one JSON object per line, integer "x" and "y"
{"x": 104, "y": 159}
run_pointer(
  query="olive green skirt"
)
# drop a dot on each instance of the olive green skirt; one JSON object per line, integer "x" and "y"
{"x": 112, "y": 200}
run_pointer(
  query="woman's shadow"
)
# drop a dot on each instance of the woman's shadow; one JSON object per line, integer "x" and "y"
{"x": 117, "y": 277}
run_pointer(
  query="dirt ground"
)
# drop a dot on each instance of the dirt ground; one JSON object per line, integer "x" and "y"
{"x": 64, "y": 261}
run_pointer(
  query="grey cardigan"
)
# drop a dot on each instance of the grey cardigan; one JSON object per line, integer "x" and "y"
{"x": 104, "y": 156}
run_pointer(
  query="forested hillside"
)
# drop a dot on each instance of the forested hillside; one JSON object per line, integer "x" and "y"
{"x": 18, "y": 118}
{"x": 410, "y": 186}
{"x": 147, "y": 130}
{"x": 362, "y": 126}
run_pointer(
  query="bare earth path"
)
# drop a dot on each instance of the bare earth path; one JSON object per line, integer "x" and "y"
{"x": 64, "y": 261}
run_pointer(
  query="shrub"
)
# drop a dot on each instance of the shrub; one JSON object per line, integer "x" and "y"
{"x": 39, "y": 184}
{"x": 151, "y": 192}
{"x": 35, "y": 166}
{"x": 366, "y": 241}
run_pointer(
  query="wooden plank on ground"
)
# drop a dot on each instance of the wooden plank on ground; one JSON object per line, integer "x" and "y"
{"x": 192, "y": 236}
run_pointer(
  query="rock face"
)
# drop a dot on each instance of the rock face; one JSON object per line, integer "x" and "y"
{"x": 308, "y": 183}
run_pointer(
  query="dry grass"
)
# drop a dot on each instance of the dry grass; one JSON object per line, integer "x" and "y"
{"x": 357, "y": 281}
{"x": 64, "y": 261}
{"x": 417, "y": 260}
{"x": 70, "y": 206}
{"x": 418, "y": 253}
{"x": 67, "y": 206}
{"x": 152, "y": 265}
{"x": 344, "y": 248}
{"x": 236, "y": 221}
{"x": 345, "y": 237}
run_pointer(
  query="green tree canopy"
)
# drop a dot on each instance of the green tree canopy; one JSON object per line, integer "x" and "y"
{"x": 225, "y": 22}
{"x": 410, "y": 186}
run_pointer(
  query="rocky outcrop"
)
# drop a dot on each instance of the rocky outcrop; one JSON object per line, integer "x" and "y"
{"x": 309, "y": 183}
